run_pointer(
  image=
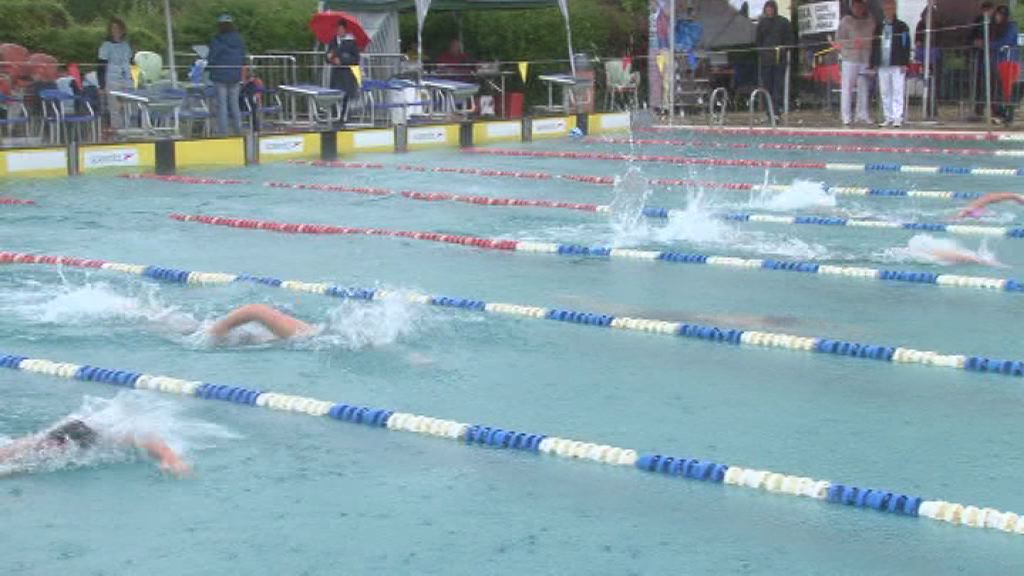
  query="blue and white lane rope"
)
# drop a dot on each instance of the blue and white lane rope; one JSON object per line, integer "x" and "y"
{"x": 751, "y": 163}
{"x": 500, "y": 438}
{"x": 607, "y": 252}
{"x": 955, "y": 229}
{"x": 735, "y": 337}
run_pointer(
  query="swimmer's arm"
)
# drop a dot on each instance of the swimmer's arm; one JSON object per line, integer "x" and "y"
{"x": 990, "y": 199}
{"x": 166, "y": 457}
{"x": 280, "y": 324}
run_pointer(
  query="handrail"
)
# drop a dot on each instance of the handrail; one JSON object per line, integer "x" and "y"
{"x": 768, "y": 105}
{"x": 718, "y": 104}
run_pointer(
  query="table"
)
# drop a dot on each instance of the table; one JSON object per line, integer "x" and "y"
{"x": 565, "y": 82}
{"x": 150, "y": 103}
{"x": 323, "y": 105}
{"x": 448, "y": 91}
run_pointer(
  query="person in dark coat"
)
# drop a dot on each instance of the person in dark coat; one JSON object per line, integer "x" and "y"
{"x": 890, "y": 55}
{"x": 226, "y": 60}
{"x": 342, "y": 54}
{"x": 774, "y": 37}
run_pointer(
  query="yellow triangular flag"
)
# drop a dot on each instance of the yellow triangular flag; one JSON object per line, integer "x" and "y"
{"x": 524, "y": 68}
{"x": 661, "y": 59}
{"x": 358, "y": 73}
{"x": 136, "y": 71}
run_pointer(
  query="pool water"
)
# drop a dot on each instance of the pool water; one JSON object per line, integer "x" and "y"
{"x": 277, "y": 493}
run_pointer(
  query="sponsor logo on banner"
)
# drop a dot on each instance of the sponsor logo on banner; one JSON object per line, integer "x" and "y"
{"x": 613, "y": 121}
{"x": 286, "y": 145}
{"x": 503, "y": 129}
{"x": 551, "y": 126}
{"x": 373, "y": 139}
{"x": 428, "y": 136}
{"x": 110, "y": 158}
{"x": 41, "y": 160}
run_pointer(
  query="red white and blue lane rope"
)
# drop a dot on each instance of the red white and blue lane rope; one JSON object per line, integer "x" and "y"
{"x": 578, "y": 250}
{"x": 712, "y": 334}
{"x": 789, "y": 146}
{"x": 748, "y": 163}
{"x": 8, "y": 201}
{"x": 589, "y": 179}
{"x": 933, "y": 135}
{"x": 487, "y": 436}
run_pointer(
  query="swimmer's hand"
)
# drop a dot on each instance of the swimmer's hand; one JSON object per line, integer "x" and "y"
{"x": 169, "y": 460}
{"x": 176, "y": 467}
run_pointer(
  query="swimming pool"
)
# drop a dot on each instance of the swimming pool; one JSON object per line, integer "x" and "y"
{"x": 274, "y": 492}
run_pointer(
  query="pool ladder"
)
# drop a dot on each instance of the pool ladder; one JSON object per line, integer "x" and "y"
{"x": 718, "y": 104}
{"x": 767, "y": 104}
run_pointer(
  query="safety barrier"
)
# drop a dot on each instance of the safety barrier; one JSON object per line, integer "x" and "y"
{"x": 576, "y": 250}
{"x": 714, "y": 334}
{"x": 845, "y": 148}
{"x": 8, "y": 201}
{"x": 748, "y": 163}
{"x": 707, "y": 184}
{"x": 885, "y": 501}
{"x": 934, "y": 135}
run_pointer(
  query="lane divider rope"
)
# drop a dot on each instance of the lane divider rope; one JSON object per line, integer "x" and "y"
{"x": 715, "y": 334}
{"x": 8, "y": 201}
{"x": 482, "y": 435}
{"x": 586, "y": 179}
{"x": 846, "y": 148}
{"x": 748, "y": 163}
{"x": 578, "y": 250}
{"x": 934, "y": 135}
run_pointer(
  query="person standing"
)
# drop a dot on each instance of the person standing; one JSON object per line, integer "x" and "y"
{"x": 853, "y": 39}
{"x": 890, "y": 55}
{"x": 343, "y": 54}
{"x": 774, "y": 38}
{"x": 226, "y": 60}
{"x": 115, "y": 70}
{"x": 1003, "y": 38}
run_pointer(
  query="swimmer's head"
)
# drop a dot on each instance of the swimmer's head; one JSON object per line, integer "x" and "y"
{"x": 74, "y": 432}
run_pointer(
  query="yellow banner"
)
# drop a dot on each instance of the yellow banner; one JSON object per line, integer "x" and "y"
{"x": 661, "y": 59}
{"x": 524, "y": 69}
{"x": 358, "y": 73}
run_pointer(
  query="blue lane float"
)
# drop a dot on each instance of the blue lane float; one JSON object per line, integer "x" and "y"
{"x": 481, "y": 435}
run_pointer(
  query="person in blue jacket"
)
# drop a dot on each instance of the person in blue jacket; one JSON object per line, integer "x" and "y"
{"x": 1004, "y": 52}
{"x": 226, "y": 61}
{"x": 342, "y": 55}
{"x": 890, "y": 55}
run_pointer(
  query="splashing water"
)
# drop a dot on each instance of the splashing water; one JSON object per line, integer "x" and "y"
{"x": 799, "y": 195}
{"x": 944, "y": 251}
{"x": 627, "y": 206}
{"x": 128, "y": 415}
{"x": 70, "y": 304}
{"x": 358, "y": 325}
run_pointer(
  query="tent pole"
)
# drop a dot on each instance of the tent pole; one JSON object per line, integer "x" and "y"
{"x": 170, "y": 43}
{"x": 564, "y": 5}
{"x": 926, "y": 100}
{"x": 670, "y": 66}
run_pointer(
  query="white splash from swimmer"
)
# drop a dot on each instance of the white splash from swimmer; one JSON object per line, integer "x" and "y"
{"x": 943, "y": 251}
{"x": 355, "y": 325}
{"x": 631, "y": 191}
{"x": 801, "y": 194}
{"x": 71, "y": 304}
{"x": 128, "y": 416}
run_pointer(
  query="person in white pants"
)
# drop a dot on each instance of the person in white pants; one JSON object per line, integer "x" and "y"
{"x": 890, "y": 54}
{"x": 853, "y": 39}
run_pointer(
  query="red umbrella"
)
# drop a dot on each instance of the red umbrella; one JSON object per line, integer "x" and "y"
{"x": 1009, "y": 72}
{"x": 325, "y": 26}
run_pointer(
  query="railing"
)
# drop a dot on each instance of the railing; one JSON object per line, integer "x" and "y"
{"x": 767, "y": 104}
{"x": 718, "y": 104}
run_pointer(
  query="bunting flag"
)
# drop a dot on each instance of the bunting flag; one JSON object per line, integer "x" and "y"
{"x": 661, "y": 59}
{"x": 524, "y": 68}
{"x": 136, "y": 72}
{"x": 358, "y": 73}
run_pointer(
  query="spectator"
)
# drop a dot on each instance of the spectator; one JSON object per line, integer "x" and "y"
{"x": 342, "y": 54}
{"x": 853, "y": 39}
{"x": 1004, "y": 51}
{"x": 455, "y": 63}
{"x": 976, "y": 38}
{"x": 115, "y": 70}
{"x": 774, "y": 37}
{"x": 890, "y": 55}
{"x": 227, "y": 58}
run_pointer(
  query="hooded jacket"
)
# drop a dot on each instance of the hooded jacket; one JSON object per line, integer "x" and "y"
{"x": 772, "y": 32}
{"x": 902, "y": 44}
{"x": 227, "y": 56}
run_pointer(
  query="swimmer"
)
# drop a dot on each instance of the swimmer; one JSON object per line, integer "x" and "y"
{"x": 976, "y": 208}
{"x": 75, "y": 435}
{"x": 947, "y": 251}
{"x": 281, "y": 325}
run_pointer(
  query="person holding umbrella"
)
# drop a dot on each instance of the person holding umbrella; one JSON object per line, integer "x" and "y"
{"x": 226, "y": 60}
{"x": 342, "y": 55}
